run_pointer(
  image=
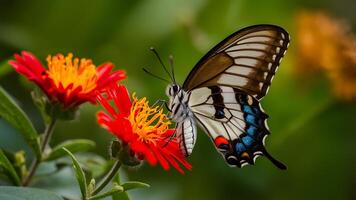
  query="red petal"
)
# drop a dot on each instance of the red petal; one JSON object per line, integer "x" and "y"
{"x": 173, "y": 162}
{"x": 140, "y": 148}
{"x": 160, "y": 158}
{"x": 106, "y": 105}
{"x": 29, "y": 66}
{"x": 173, "y": 149}
{"x": 168, "y": 133}
{"x": 21, "y": 69}
{"x": 104, "y": 120}
{"x": 104, "y": 69}
{"x": 33, "y": 62}
{"x": 105, "y": 78}
{"x": 121, "y": 97}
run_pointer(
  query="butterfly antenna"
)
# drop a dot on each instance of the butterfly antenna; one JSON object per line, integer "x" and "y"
{"x": 171, "y": 63}
{"x": 160, "y": 61}
{"x": 154, "y": 75}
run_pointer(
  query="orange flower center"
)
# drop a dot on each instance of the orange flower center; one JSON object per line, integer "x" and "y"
{"x": 66, "y": 71}
{"x": 148, "y": 123}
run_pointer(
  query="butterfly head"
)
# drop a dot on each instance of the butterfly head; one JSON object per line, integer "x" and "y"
{"x": 172, "y": 90}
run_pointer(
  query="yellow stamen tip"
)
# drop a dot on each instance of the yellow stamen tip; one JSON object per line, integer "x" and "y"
{"x": 66, "y": 71}
{"x": 148, "y": 123}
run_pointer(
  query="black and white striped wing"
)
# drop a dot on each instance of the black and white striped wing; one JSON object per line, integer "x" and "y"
{"x": 235, "y": 122}
{"x": 246, "y": 60}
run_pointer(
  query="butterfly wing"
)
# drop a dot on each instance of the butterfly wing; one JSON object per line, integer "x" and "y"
{"x": 226, "y": 85}
{"x": 235, "y": 122}
{"x": 246, "y": 60}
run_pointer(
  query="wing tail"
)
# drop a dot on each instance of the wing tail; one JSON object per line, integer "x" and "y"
{"x": 277, "y": 163}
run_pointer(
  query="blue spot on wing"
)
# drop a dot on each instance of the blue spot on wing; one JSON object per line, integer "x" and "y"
{"x": 240, "y": 147}
{"x": 247, "y": 140}
{"x": 224, "y": 146}
{"x": 250, "y": 141}
{"x": 251, "y": 120}
{"x": 251, "y": 130}
{"x": 248, "y": 109}
{"x": 254, "y": 119}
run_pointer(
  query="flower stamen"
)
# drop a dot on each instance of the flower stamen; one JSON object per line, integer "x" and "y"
{"x": 148, "y": 123}
{"x": 66, "y": 70}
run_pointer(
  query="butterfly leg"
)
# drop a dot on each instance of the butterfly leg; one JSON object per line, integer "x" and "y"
{"x": 162, "y": 102}
{"x": 171, "y": 137}
{"x": 159, "y": 102}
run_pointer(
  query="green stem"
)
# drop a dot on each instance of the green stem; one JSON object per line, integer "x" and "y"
{"x": 36, "y": 162}
{"x": 108, "y": 177}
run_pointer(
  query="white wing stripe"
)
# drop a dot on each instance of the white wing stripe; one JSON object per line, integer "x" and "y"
{"x": 264, "y": 32}
{"x": 261, "y": 38}
{"x": 267, "y": 68}
{"x": 265, "y": 59}
{"x": 229, "y": 79}
{"x": 244, "y": 71}
{"x": 254, "y": 53}
{"x": 251, "y": 46}
{"x": 271, "y": 43}
{"x": 247, "y": 61}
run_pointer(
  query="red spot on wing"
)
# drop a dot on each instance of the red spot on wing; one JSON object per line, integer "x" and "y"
{"x": 221, "y": 143}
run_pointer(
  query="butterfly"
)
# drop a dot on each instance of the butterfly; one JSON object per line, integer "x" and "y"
{"x": 223, "y": 91}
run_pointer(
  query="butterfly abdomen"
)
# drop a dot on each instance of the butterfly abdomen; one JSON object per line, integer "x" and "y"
{"x": 187, "y": 135}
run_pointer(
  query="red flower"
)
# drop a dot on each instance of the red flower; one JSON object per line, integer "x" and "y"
{"x": 67, "y": 81}
{"x": 144, "y": 129}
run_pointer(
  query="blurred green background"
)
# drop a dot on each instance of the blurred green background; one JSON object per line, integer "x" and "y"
{"x": 312, "y": 132}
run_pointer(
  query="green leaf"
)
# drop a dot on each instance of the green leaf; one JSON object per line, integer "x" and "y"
{"x": 94, "y": 164}
{"x": 77, "y": 145}
{"x": 79, "y": 174}
{"x": 21, "y": 193}
{"x": 116, "y": 189}
{"x": 91, "y": 186}
{"x": 134, "y": 185}
{"x": 121, "y": 195}
{"x": 18, "y": 161}
{"x": 10, "y": 170}
{"x": 13, "y": 114}
{"x": 127, "y": 186}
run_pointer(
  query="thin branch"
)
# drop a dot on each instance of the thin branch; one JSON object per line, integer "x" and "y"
{"x": 36, "y": 162}
{"x": 115, "y": 168}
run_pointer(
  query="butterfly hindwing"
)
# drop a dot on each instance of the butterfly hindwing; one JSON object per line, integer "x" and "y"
{"x": 247, "y": 60}
{"x": 234, "y": 121}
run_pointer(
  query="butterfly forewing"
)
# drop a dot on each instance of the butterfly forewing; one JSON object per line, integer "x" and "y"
{"x": 246, "y": 60}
